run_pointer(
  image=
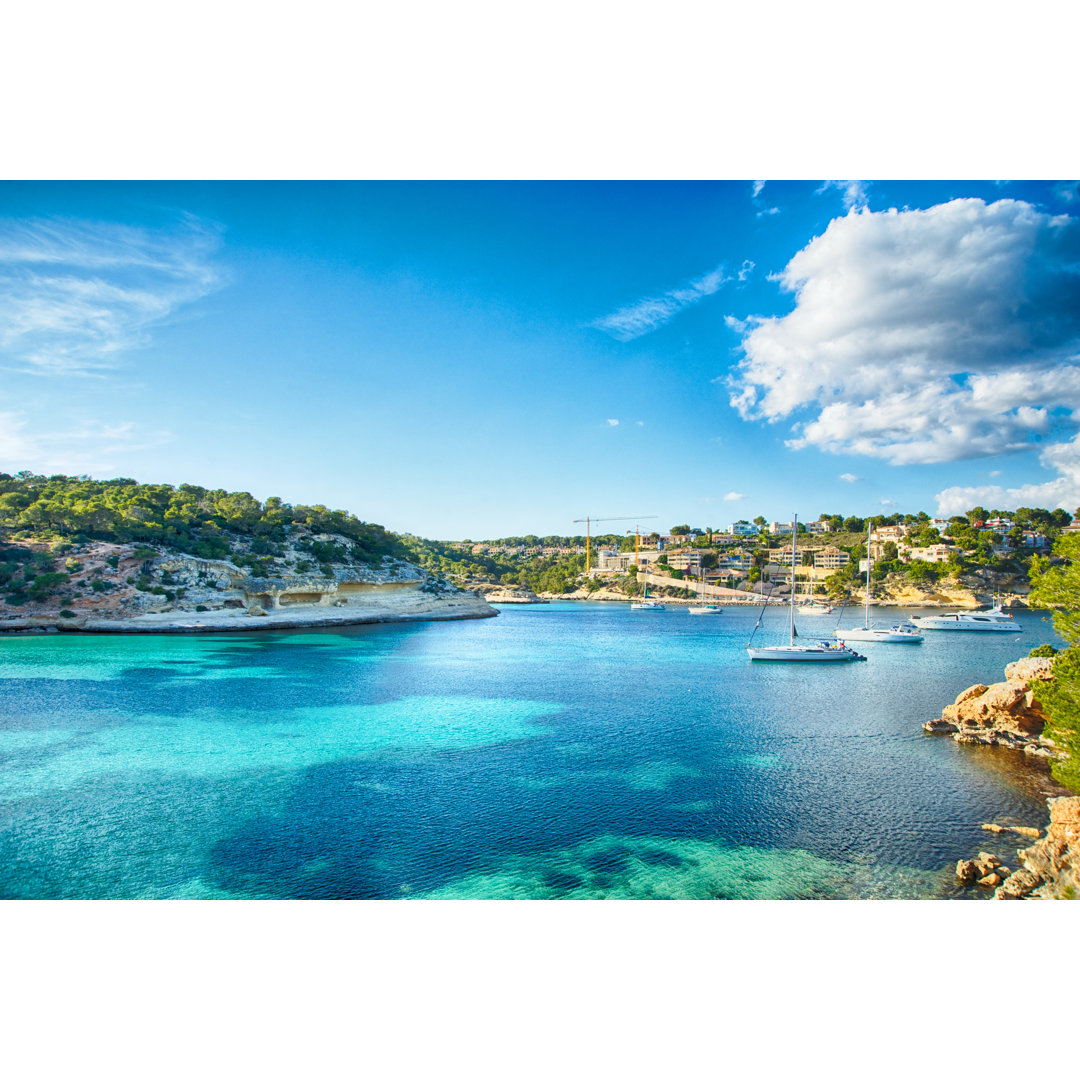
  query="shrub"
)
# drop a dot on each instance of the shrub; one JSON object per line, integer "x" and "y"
{"x": 67, "y": 613}
{"x": 1043, "y": 650}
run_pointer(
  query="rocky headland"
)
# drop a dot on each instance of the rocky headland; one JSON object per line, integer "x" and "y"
{"x": 126, "y": 588}
{"x": 1008, "y": 714}
{"x": 1003, "y": 714}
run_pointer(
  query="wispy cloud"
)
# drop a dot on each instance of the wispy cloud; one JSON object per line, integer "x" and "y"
{"x": 755, "y": 198}
{"x": 89, "y": 447}
{"x": 613, "y": 423}
{"x": 746, "y": 268}
{"x": 650, "y": 313}
{"x": 854, "y": 192}
{"x": 734, "y": 496}
{"x": 850, "y": 478}
{"x": 76, "y": 295}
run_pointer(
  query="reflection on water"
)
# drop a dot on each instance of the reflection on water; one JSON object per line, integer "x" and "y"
{"x": 565, "y": 750}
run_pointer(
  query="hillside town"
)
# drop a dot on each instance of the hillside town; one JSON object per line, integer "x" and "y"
{"x": 991, "y": 549}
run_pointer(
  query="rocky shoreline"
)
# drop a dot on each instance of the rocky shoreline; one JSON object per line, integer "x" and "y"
{"x": 1008, "y": 714}
{"x": 121, "y": 589}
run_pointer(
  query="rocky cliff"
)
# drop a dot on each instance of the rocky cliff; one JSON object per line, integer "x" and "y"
{"x": 1009, "y": 714}
{"x": 1051, "y": 866}
{"x": 1004, "y": 714}
{"x": 141, "y": 589}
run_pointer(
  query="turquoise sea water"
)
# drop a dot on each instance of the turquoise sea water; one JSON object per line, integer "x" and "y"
{"x": 563, "y": 750}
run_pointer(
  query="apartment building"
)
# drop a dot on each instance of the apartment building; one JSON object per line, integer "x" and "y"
{"x": 830, "y": 558}
{"x": 936, "y": 553}
{"x": 895, "y": 533}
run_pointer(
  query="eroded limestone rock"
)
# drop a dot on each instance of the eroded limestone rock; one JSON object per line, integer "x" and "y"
{"x": 1051, "y": 866}
{"x": 1004, "y": 714}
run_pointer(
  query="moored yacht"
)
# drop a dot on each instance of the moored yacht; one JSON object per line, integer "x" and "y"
{"x": 814, "y": 608}
{"x": 993, "y": 620}
{"x": 899, "y": 633}
{"x": 701, "y": 607}
{"x": 645, "y": 604}
{"x": 819, "y": 650}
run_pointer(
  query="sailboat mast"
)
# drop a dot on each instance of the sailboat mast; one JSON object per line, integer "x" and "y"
{"x": 866, "y": 617}
{"x": 794, "y": 534}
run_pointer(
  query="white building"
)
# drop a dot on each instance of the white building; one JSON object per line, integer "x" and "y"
{"x": 779, "y": 528}
{"x": 936, "y": 553}
{"x": 743, "y": 528}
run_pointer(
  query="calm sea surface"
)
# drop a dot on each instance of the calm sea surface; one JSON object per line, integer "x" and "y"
{"x": 563, "y": 750}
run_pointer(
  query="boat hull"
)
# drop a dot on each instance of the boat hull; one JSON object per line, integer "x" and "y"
{"x": 804, "y": 653}
{"x": 933, "y": 622}
{"x": 893, "y": 637}
{"x": 646, "y": 607}
{"x": 705, "y": 611}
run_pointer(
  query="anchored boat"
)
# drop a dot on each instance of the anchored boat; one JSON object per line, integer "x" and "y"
{"x": 993, "y": 620}
{"x": 702, "y": 608}
{"x": 818, "y": 651}
{"x": 898, "y": 633}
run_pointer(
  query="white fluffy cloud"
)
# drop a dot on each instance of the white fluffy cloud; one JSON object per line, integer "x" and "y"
{"x": 651, "y": 312}
{"x": 75, "y": 295}
{"x": 850, "y": 478}
{"x": 923, "y": 335}
{"x": 734, "y": 496}
{"x": 1063, "y": 492}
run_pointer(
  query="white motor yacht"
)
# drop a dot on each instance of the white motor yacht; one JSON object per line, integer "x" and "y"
{"x": 993, "y": 620}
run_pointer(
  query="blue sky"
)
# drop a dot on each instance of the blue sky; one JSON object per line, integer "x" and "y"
{"x": 485, "y": 359}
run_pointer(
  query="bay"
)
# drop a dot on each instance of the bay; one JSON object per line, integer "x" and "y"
{"x": 568, "y": 750}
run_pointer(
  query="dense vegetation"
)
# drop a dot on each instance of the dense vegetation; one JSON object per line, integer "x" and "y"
{"x": 64, "y": 511}
{"x": 187, "y": 518}
{"x": 1059, "y": 587}
{"x": 212, "y": 523}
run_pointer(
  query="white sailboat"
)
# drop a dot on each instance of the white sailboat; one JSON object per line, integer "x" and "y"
{"x": 819, "y": 650}
{"x": 900, "y": 633}
{"x": 702, "y": 608}
{"x": 645, "y": 604}
{"x": 810, "y": 606}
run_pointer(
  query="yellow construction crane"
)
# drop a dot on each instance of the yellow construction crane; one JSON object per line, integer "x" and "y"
{"x": 636, "y": 533}
{"x": 588, "y": 522}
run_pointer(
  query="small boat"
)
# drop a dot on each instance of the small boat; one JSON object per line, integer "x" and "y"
{"x": 702, "y": 608}
{"x": 810, "y": 606}
{"x": 993, "y": 620}
{"x": 899, "y": 633}
{"x": 814, "y": 608}
{"x": 818, "y": 651}
{"x": 645, "y": 604}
